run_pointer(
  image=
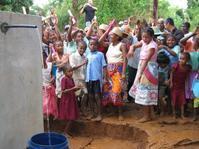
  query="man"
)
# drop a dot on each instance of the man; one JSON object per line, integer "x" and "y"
{"x": 89, "y": 11}
{"x": 170, "y": 27}
{"x": 185, "y": 28}
{"x": 161, "y": 25}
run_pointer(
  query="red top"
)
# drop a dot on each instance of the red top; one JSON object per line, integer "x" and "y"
{"x": 179, "y": 76}
{"x": 68, "y": 109}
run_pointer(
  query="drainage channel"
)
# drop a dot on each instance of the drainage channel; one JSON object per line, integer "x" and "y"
{"x": 98, "y": 135}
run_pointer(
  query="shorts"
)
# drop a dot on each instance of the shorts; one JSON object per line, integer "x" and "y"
{"x": 93, "y": 87}
{"x": 162, "y": 91}
{"x": 178, "y": 98}
{"x": 196, "y": 103}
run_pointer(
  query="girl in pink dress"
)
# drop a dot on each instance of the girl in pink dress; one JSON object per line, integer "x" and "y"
{"x": 179, "y": 73}
{"x": 68, "y": 109}
{"x": 49, "y": 97}
{"x": 145, "y": 86}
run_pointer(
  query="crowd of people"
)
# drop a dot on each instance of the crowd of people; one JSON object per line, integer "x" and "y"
{"x": 110, "y": 65}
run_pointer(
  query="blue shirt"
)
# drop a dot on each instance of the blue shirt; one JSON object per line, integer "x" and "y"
{"x": 173, "y": 59}
{"x": 194, "y": 60}
{"x": 96, "y": 63}
{"x": 163, "y": 74}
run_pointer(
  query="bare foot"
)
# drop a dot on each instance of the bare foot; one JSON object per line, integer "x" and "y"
{"x": 90, "y": 117}
{"x": 144, "y": 119}
{"x": 174, "y": 117}
{"x": 120, "y": 118}
{"x": 194, "y": 119}
{"x": 97, "y": 119}
{"x": 184, "y": 120}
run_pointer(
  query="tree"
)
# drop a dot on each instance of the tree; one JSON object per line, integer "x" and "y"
{"x": 16, "y": 5}
{"x": 193, "y": 12}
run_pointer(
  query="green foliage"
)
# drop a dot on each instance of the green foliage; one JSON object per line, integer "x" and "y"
{"x": 193, "y": 12}
{"x": 5, "y": 2}
{"x": 62, "y": 13}
{"x": 16, "y": 5}
{"x": 110, "y": 9}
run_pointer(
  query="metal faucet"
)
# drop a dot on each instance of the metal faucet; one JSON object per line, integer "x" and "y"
{"x": 5, "y": 26}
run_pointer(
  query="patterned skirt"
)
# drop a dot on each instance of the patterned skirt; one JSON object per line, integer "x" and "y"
{"x": 112, "y": 90}
{"x": 145, "y": 90}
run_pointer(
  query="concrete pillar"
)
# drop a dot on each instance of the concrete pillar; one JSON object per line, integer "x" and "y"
{"x": 20, "y": 82}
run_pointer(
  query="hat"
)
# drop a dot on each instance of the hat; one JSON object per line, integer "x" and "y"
{"x": 161, "y": 20}
{"x": 75, "y": 30}
{"x": 160, "y": 37}
{"x": 103, "y": 27}
{"x": 126, "y": 30}
{"x": 117, "y": 31}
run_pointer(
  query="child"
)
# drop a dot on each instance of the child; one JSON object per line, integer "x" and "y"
{"x": 195, "y": 89}
{"x": 68, "y": 109}
{"x": 59, "y": 59}
{"x": 49, "y": 97}
{"x": 94, "y": 76}
{"x": 172, "y": 49}
{"x": 163, "y": 80}
{"x": 78, "y": 62}
{"x": 179, "y": 74}
{"x": 145, "y": 86}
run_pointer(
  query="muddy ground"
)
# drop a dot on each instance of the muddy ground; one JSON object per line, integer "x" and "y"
{"x": 162, "y": 133}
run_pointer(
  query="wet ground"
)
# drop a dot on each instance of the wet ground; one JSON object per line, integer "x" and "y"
{"x": 162, "y": 133}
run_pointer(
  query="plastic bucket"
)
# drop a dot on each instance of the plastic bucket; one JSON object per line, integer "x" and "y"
{"x": 41, "y": 141}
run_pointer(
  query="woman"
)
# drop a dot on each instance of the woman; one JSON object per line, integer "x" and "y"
{"x": 116, "y": 59}
{"x": 145, "y": 87}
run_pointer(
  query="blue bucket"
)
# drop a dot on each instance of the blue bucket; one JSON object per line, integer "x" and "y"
{"x": 41, "y": 141}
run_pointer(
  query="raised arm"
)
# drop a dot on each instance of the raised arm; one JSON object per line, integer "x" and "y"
{"x": 70, "y": 30}
{"x": 102, "y": 38}
{"x": 82, "y": 10}
{"x": 170, "y": 51}
{"x": 132, "y": 49}
{"x": 89, "y": 32}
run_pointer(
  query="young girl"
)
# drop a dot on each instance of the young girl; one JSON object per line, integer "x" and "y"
{"x": 74, "y": 36}
{"x": 145, "y": 87}
{"x": 49, "y": 97}
{"x": 68, "y": 109}
{"x": 172, "y": 49}
{"x": 178, "y": 76}
{"x": 59, "y": 59}
{"x": 193, "y": 77}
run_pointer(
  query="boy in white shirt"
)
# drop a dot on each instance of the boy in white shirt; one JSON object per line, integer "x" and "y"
{"x": 78, "y": 63}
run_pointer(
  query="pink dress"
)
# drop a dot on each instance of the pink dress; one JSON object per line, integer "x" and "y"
{"x": 68, "y": 109}
{"x": 145, "y": 90}
{"x": 49, "y": 97}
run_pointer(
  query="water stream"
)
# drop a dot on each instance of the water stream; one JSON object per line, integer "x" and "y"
{"x": 47, "y": 117}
